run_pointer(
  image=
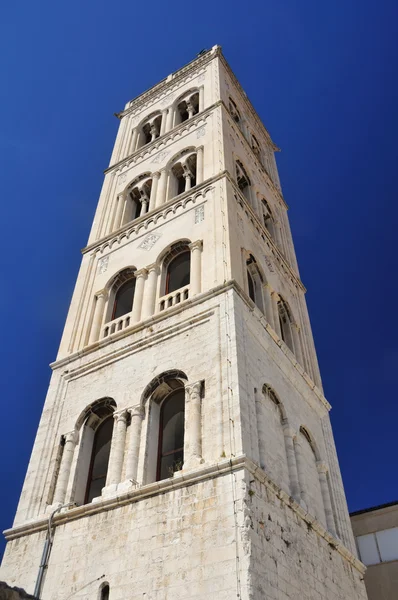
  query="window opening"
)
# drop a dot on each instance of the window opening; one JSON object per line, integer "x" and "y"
{"x": 124, "y": 299}
{"x": 178, "y": 272}
{"x": 99, "y": 460}
{"x": 105, "y": 593}
{"x": 171, "y": 435}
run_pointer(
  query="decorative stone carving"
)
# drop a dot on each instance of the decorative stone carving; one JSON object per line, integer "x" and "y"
{"x": 269, "y": 263}
{"x": 103, "y": 264}
{"x": 161, "y": 156}
{"x": 122, "y": 177}
{"x": 200, "y": 133}
{"x": 149, "y": 241}
{"x": 201, "y": 77}
{"x": 199, "y": 214}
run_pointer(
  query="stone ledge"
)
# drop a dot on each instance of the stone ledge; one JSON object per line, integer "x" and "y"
{"x": 183, "y": 479}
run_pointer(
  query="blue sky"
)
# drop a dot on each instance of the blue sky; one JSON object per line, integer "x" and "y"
{"x": 321, "y": 75}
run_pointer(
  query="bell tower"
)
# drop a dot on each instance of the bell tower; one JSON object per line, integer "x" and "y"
{"x": 185, "y": 448}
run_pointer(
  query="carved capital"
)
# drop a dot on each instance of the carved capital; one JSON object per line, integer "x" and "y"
{"x": 102, "y": 294}
{"x": 120, "y": 416}
{"x": 72, "y": 437}
{"x": 198, "y": 245}
{"x": 153, "y": 268}
{"x": 322, "y": 467}
{"x": 193, "y": 391}
{"x": 137, "y": 411}
{"x": 141, "y": 273}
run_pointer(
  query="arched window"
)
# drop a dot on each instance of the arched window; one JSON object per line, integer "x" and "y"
{"x": 183, "y": 175}
{"x": 99, "y": 459}
{"x": 137, "y": 199}
{"x": 243, "y": 180}
{"x": 256, "y": 147}
{"x": 171, "y": 435}
{"x": 285, "y": 324}
{"x": 150, "y": 130}
{"x": 104, "y": 593}
{"x": 187, "y": 107}
{"x": 268, "y": 218}
{"x": 124, "y": 297}
{"x": 234, "y": 112}
{"x": 178, "y": 272}
{"x": 254, "y": 283}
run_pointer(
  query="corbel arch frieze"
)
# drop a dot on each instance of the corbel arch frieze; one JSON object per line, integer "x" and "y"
{"x": 153, "y": 220}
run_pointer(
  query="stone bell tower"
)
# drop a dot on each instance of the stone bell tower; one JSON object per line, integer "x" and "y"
{"x": 185, "y": 449}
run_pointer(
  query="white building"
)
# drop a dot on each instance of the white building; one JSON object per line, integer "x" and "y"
{"x": 185, "y": 426}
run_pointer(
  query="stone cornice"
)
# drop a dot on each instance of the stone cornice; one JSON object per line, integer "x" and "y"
{"x": 170, "y": 81}
{"x": 181, "y": 480}
{"x": 162, "y": 140}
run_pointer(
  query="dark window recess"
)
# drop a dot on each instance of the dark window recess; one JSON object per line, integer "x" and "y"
{"x": 124, "y": 299}
{"x": 171, "y": 435}
{"x": 178, "y": 272}
{"x": 181, "y": 185}
{"x": 105, "y": 593}
{"x": 99, "y": 459}
{"x": 252, "y": 293}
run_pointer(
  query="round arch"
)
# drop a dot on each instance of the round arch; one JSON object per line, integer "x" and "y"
{"x": 100, "y": 409}
{"x": 166, "y": 376}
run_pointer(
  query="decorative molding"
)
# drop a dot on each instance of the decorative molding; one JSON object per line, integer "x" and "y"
{"x": 202, "y": 77}
{"x": 199, "y": 214}
{"x": 149, "y": 241}
{"x": 269, "y": 263}
{"x": 197, "y": 121}
{"x": 160, "y": 156}
{"x": 200, "y": 132}
{"x": 103, "y": 264}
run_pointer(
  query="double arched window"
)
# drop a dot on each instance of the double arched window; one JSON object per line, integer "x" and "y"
{"x": 138, "y": 198}
{"x": 120, "y": 304}
{"x": 255, "y": 283}
{"x": 182, "y": 175}
{"x": 150, "y": 130}
{"x": 234, "y": 112}
{"x": 243, "y": 180}
{"x": 186, "y": 107}
{"x": 285, "y": 324}
{"x": 256, "y": 147}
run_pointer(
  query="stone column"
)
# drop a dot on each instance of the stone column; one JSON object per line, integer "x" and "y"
{"x": 154, "y": 131}
{"x": 201, "y": 98}
{"x": 169, "y": 121}
{"x": 327, "y": 504}
{"x": 119, "y": 212}
{"x": 98, "y": 316}
{"x": 275, "y": 310}
{"x": 154, "y": 189}
{"x": 148, "y": 307}
{"x": 297, "y": 344}
{"x": 137, "y": 415}
{"x": 163, "y": 123}
{"x": 144, "y": 204}
{"x": 140, "y": 277}
{"x": 161, "y": 191}
{"x": 301, "y": 472}
{"x": 187, "y": 176}
{"x": 291, "y": 463}
{"x": 269, "y": 313}
{"x": 199, "y": 165}
{"x": 196, "y": 267}
{"x": 117, "y": 449}
{"x": 71, "y": 440}
{"x": 133, "y": 143}
{"x": 193, "y": 425}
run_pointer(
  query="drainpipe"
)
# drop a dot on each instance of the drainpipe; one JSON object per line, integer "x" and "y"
{"x": 47, "y": 550}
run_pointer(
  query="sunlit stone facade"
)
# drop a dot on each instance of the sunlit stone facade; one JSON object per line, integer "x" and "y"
{"x": 185, "y": 432}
